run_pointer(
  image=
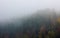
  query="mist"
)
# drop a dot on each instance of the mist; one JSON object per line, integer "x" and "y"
{"x": 19, "y": 8}
{"x": 29, "y": 17}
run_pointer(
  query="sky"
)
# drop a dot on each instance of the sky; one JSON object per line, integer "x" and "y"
{"x": 19, "y": 8}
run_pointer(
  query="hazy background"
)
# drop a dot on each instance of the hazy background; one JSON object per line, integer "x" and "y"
{"x": 23, "y": 15}
{"x": 19, "y": 8}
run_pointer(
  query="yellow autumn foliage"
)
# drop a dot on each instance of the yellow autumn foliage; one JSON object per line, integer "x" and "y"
{"x": 58, "y": 20}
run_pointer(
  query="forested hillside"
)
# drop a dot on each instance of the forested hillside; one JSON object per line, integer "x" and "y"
{"x": 35, "y": 21}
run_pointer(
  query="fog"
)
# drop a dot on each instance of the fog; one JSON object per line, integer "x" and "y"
{"x": 28, "y": 16}
{"x": 19, "y": 8}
